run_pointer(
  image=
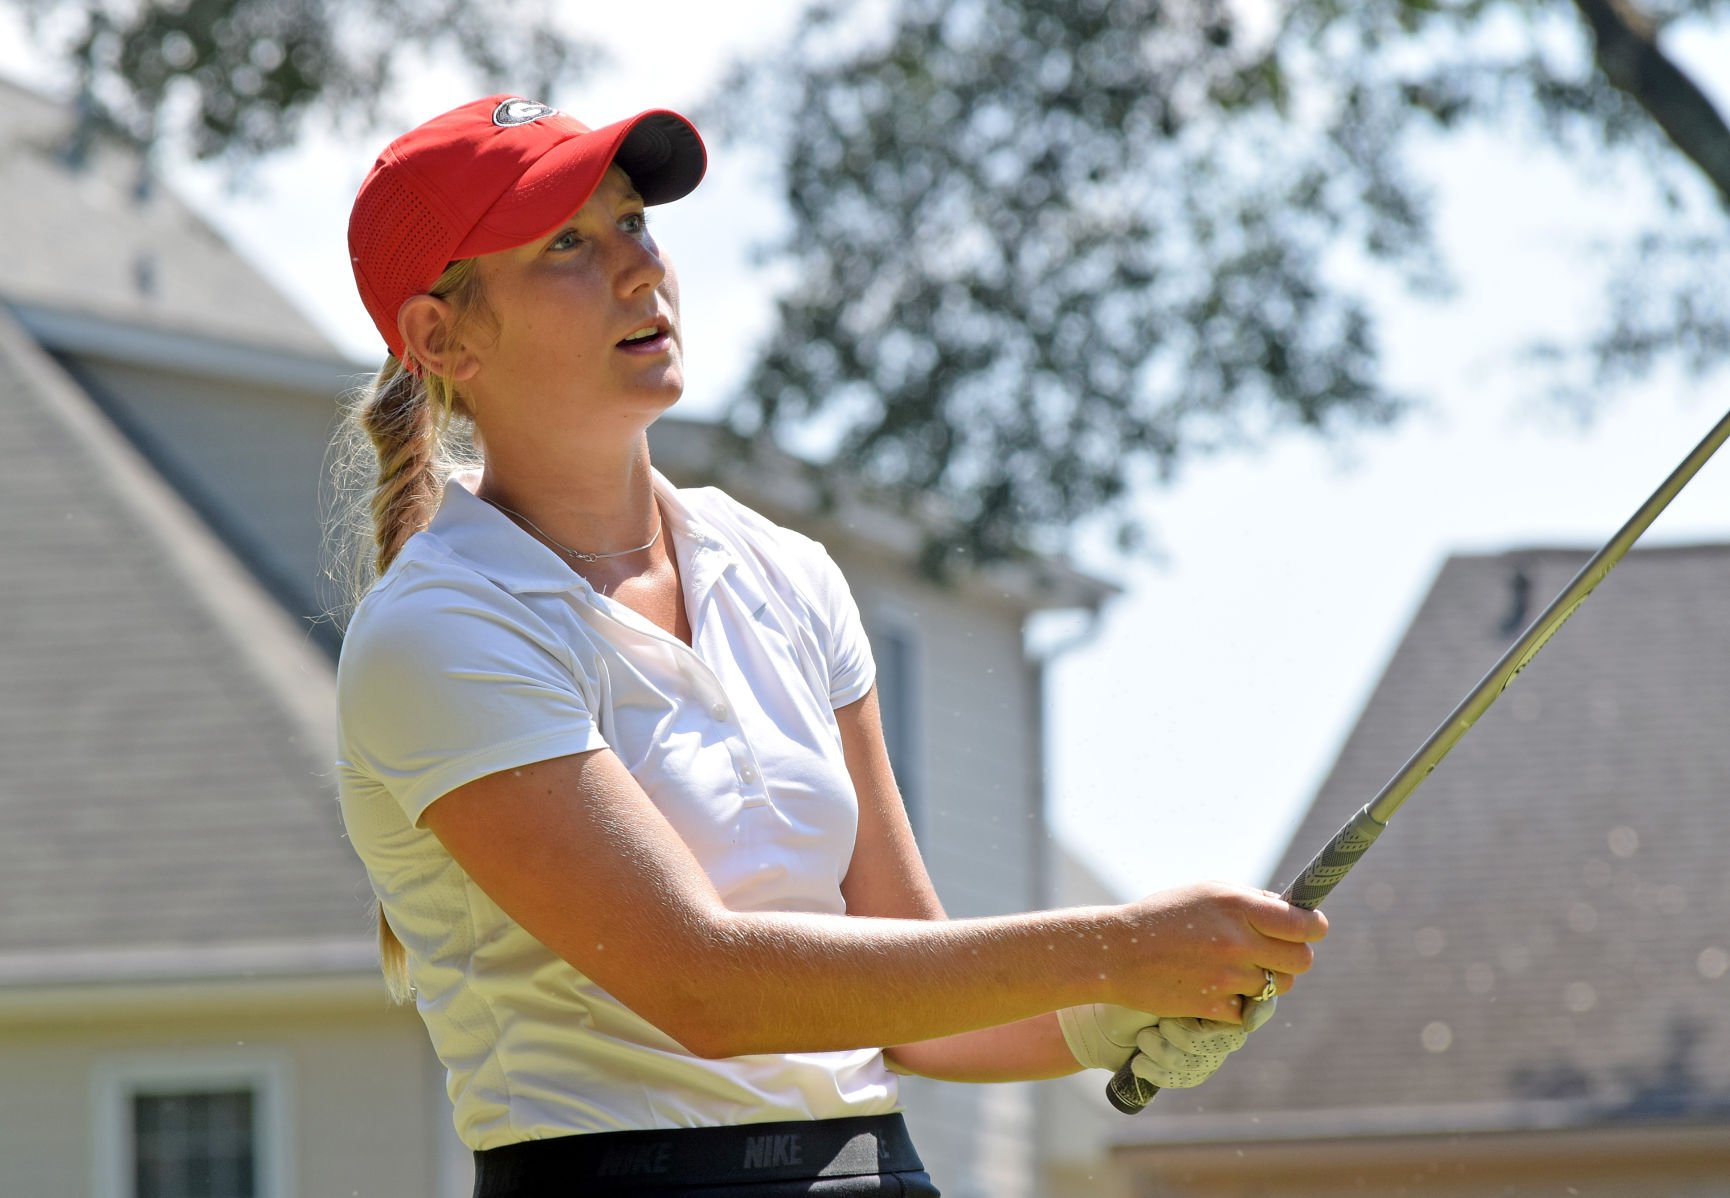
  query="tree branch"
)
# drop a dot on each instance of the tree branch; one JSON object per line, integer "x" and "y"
{"x": 1628, "y": 54}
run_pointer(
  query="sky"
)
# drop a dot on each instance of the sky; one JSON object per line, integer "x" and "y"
{"x": 1189, "y": 725}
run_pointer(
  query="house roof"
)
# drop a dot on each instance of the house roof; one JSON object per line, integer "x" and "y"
{"x": 164, "y": 762}
{"x": 1542, "y": 936}
{"x": 104, "y": 242}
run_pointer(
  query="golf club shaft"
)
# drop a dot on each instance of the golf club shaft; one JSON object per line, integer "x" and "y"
{"x": 1129, "y": 1093}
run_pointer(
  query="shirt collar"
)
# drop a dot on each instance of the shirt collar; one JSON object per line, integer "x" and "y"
{"x": 492, "y": 544}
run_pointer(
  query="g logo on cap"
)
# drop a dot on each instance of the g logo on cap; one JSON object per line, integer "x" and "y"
{"x": 520, "y": 112}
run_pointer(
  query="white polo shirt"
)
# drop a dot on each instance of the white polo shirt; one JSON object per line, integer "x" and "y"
{"x": 480, "y": 650}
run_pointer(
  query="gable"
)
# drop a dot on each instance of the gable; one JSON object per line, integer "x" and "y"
{"x": 1542, "y": 936}
{"x": 163, "y": 758}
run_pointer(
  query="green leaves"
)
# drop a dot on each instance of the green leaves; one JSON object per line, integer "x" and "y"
{"x": 1048, "y": 250}
{"x": 233, "y": 79}
{"x": 1039, "y": 260}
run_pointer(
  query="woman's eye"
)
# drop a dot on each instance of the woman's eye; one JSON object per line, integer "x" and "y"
{"x": 565, "y": 241}
{"x": 635, "y": 222}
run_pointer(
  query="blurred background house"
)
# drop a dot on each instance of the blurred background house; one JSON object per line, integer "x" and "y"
{"x": 187, "y": 976}
{"x": 1526, "y": 988}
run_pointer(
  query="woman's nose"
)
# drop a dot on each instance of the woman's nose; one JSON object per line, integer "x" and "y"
{"x": 639, "y": 265}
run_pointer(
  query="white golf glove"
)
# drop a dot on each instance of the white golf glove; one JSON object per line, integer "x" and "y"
{"x": 1172, "y": 1053}
{"x": 1256, "y": 1012}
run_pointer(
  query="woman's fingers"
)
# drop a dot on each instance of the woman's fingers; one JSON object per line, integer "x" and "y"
{"x": 1280, "y": 956}
{"x": 1279, "y": 920}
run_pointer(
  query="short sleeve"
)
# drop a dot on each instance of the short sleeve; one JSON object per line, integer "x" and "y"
{"x": 803, "y": 571}
{"x": 440, "y": 685}
{"x": 852, "y": 669}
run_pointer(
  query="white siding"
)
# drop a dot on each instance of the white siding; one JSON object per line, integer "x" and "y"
{"x": 356, "y": 1081}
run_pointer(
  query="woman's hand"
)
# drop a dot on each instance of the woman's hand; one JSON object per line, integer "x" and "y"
{"x": 1200, "y": 950}
{"x": 1171, "y": 1053}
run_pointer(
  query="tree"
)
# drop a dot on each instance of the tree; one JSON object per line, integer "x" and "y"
{"x": 1046, "y": 250}
{"x": 235, "y": 79}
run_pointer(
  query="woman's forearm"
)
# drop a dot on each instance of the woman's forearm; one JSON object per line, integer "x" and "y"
{"x": 781, "y": 982}
{"x": 1027, "y": 1050}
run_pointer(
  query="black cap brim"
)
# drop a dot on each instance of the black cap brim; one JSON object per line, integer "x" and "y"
{"x": 663, "y": 155}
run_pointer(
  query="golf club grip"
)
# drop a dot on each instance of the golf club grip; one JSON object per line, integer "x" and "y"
{"x": 1336, "y": 859}
{"x": 1129, "y": 1093}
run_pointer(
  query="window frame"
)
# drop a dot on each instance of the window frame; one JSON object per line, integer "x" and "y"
{"x": 118, "y": 1078}
{"x": 903, "y": 712}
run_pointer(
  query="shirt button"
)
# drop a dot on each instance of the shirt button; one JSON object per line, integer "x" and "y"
{"x": 719, "y": 711}
{"x": 747, "y": 774}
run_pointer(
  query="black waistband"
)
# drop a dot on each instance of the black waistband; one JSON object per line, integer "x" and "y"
{"x": 742, "y": 1154}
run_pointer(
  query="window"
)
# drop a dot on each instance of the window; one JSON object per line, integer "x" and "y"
{"x": 194, "y": 1124}
{"x": 194, "y": 1144}
{"x": 894, "y": 644}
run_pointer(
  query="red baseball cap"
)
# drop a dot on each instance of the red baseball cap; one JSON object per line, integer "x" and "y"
{"x": 493, "y": 174}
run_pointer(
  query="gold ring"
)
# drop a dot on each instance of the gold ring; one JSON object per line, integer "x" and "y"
{"x": 1269, "y": 990}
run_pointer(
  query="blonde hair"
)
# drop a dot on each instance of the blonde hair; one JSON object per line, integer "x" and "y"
{"x": 404, "y": 435}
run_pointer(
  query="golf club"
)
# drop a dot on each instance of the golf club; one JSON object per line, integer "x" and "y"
{"x": 1129, "y": 1093}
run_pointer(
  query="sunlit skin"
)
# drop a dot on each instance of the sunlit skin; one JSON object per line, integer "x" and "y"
{"x": 562, "y": 394}
{"x": 559, "y": 366}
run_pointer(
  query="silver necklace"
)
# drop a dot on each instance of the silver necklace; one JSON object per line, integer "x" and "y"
{"x": 577, "y": 553}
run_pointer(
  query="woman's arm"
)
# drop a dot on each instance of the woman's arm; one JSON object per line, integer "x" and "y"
{"x": 575, "y": 852}
{"x": 888, "y": 877}
{"x": 1024, "y": 1051}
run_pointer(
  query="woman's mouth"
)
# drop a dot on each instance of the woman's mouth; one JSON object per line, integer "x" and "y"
{"x": 650, "y": 339}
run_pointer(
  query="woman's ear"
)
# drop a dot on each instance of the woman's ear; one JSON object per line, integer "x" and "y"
{"x": 425, "y": 322}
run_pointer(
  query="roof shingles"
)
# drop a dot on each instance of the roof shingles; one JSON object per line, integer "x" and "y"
{"x": 1547, "y": 919}
{"x": 92, "y": 240}
{"x": 157, "y": 786}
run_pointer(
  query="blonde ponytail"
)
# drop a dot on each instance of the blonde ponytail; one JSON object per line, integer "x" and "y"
{"x": 409, "y": 431}
{"x": 408, "y": 443}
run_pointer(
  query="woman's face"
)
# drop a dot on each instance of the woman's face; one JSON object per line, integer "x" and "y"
{"x": 585, "y": 329}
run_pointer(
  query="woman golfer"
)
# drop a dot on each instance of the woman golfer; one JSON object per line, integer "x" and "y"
{"x": 611, "y": 754}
